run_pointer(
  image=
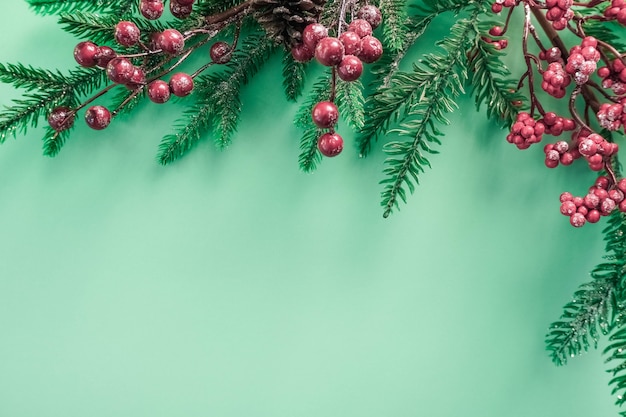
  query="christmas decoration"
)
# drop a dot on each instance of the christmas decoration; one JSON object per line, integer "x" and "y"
{"x": 572, "y": 87}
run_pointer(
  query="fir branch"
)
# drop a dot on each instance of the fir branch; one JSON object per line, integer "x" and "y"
{"x": 310, "y": 155}
{"x": 100, "y": 28}
{"x": 319, "y": 92}
{"x": 606, "y": 31}
{"x": 29, "y": 109}
{"x": 445, "y": 76}
{"x": 351, "y": 103}
{"x": 293, "y": 77}
{"x": 53, "y": 141}
{"x": 118, "y": 8}
{"x": 218, "y": 104}
{"x": 492, "y": 82}
{"x": 394, "y": 24}
{"x": 126, "y": 101}
{"x": 30, "y": 78}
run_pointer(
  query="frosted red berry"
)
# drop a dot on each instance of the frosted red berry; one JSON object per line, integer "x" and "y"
{"x": 120, "y": 70}
{"x": 302, "y": 53}
{"x": 127, "y": 33}
{"x": 61, "y": 118}
{"x": 170, "y": 41}
{"x": 180, "y": 11}
{"x": 151, "y": 9}
{"x": 104, "y": 56}
{"x": 325, "y": 114}
{"x": 86, "y": 54}
{"x": 159, "y": 91}
{"x": 186, "y": 2}
{"x": 577, "y": 220}
{"x": 371, "y": 49}
{"x": 329, "y": 51}
{"x": 361, "y": 27}
{"x": 350, "y": 68}
{"x": 371, "y": 14}
{"x": 351, "y": 42}
{"x": 220, "y": 52}
{"x": 97, "y": 117}
{"x": 181, "y": 84}
{"x": 330, "y": 144}
{"x": 312, "y": 34}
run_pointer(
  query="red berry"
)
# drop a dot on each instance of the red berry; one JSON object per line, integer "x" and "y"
{"x": 302, "y": 53}
{"x": 127, "y": 33}
{"x": 496, "y": 31}
{"x": 180, "y": 11}
{"x": 151, "y": 9}
{"x": 622, "y": 185}
{"x": 577, "y": 220}
{"x": 159, "y": 91}
{"x": 312, "y": 34}
{"x": 138, "y": 79}
{"x": 371, "y": 49}
{"x": 361, "y": 27}
{"x": 120, "y": 70}
{"x": 350, "y": 68}
{"x": 104, "y": 56}
{"x": 170, "y": 41}
{"x": 325, "y": 114}
{"x": 351, "y": 43}
{"x": 61, "y": 118}
{"x": 371, "y": 14}
{"x": 329, "y": 51}
{"x": 220, "y": 52}
{"x": 181, "y": 84}
{"x": 568, "y": 208}
{"x": 593, "y": 216}
{"x": 185, "y": 2}
{"x": 98, "y": 117}
{"x": 330, "y": 144}
{"x": 86, "y": 54}
{"x": 565, "y": 196}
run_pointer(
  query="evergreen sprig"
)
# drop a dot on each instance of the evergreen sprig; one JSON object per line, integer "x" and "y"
{"x": 310, "y": 156}
{"x": 293, "y": 76}
{"x": 394, "y": 27}
{"x": 218, "y": 103}
{"x": 118, "y": 8}
{"x": 351, "y": 103}
{"x": 441, "y": 78}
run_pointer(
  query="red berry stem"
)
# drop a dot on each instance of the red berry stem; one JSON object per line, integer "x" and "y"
{"x": 232, "y": 49}
{"x": 534, "y": 102}
{"x": 572, "y": 109}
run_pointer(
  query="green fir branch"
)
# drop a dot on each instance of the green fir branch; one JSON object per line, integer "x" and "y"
{"x": 29, "y": 78}
{"x": 125, "y": 101}
{"x": 351, "y": 103}
{"x": 394, "y": 24}
{"x": 28, "y": 110}
{"x": 218, "y": 101}
{"x": 119, "y": 8}
{"x": 100, "y": 28}
{"x": 492, "y": 83}
{"x": 444, "y": 76}
{"x": 293, "y": 76}
{"x": 310, "y": 155}
{"x": 53, "y": 141}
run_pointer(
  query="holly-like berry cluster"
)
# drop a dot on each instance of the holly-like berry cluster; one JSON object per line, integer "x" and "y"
{"x": 617, "y": 11}
{"x": 345, "y": 54}
{"x": 525, "y": 131}
{"x": 582, "y": 60}
{"x": 123, "y": 69}
{"x": 559, "y": 13}
{"x": 603, "y": 197}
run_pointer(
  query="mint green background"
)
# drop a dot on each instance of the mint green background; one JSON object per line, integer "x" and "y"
{"x": 233, "y": 285}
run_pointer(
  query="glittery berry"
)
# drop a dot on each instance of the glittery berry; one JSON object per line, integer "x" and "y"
{"x": 361, "y": 27}
{"x": 180, "y": 11}
{"x": 61, "y": 118}
{"x": 351, "y": 42}
{"x": 86, "y": 54}
{"x": 104, "y": 56}
{"x": 312, "y": 34}
{"x": 127, "y": 33}
{"x": 98, "y": 117}
{"x": 120, "y": 70}
{"x": 325, "y": 114}
{"x": 170, "y": 41}
{"x": 151, "y": 9}
{"x": 329, "y": 51}
{"x": 371, "y": 14}
{"x": 181, "y": 84}
{"x": 159, "y": 91}
{"x": 371, "y": 50}
{"x": 220, "y": 52}
{"x": 301, "y": 53}
{"x": 330, "y": 144}
{"x": 350, "y": 68}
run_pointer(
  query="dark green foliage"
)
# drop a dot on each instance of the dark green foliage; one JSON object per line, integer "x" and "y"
{"x": 218, "y": 104}
{"x": 49, "y": 90}
{"x": 394, "y": 26}
{"x": 491, "y": 81}
{"x": 441, "y": 78}
{"x": 117, "y": 8}
{"x": 293, "y": 77}
{"x": 351, "y": 103}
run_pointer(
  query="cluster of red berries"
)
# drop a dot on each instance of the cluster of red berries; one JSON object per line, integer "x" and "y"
{"x": 617, "y": 11}
{"x": 346, "y": 54}
{"x": 601, "y": 200}
{"x": 525, "y": 131}
{"x": 595, "y": 149}
{"x": 560, "y": 152}
{"x": 555, "y": 80}
{"x": 498, "y": 5}
{"x": 559, "y": 13}
{"x": 121, "y": 70}
{"x": 153, "y": 9}
{"x": 583, "y": 60}
{"x": 614, "y": 76}
{"x": 555, "y": 125}
{"x": 611, "y": 116}
{"x": 551, "y": 55}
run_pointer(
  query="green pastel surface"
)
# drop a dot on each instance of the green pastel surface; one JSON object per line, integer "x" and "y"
{"x": 230, "y": 284}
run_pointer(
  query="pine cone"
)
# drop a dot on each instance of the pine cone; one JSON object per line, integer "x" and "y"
{"x": 284, "y": 20}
